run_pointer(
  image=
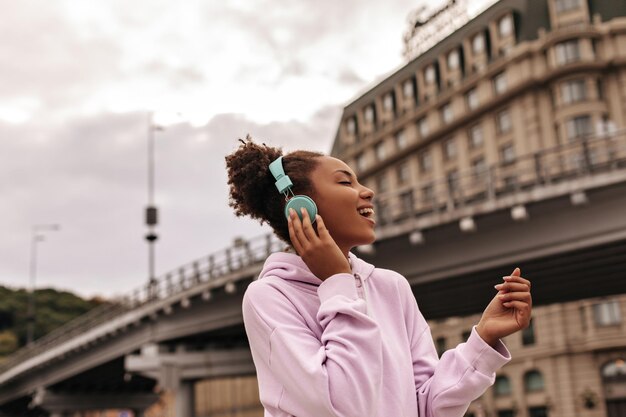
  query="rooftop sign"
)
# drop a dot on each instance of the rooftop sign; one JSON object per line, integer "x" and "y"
{"x": 427, "y": 27}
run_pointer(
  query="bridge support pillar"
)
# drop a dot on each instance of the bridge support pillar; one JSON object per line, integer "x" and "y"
{"x": 185, "y": 399}
{"x": 177, "y": 371}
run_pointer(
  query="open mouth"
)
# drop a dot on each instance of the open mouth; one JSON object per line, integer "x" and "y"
{"x": 366, "y": 212}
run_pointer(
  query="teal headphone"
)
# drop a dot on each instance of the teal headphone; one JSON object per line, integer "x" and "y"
{"x": 284, "y": 184}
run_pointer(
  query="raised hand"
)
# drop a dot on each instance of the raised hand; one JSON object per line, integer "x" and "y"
{"x": 509, "y": 311}
{"x": 318, "y": 250}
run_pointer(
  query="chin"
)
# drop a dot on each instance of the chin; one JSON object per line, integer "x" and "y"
{"x": 367, "y": 240}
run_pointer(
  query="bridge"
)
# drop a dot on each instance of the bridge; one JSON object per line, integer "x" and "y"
{"x": 558, "y": 214}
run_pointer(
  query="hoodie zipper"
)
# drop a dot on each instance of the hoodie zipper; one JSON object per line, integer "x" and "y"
{"x": 361, "y": 292}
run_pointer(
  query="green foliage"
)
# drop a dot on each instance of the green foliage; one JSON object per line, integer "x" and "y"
{"x": 8, "y": 343}
{"x": 53, "y": 309}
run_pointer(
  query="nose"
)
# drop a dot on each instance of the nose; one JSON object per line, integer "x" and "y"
{"x": 366, "y": 193}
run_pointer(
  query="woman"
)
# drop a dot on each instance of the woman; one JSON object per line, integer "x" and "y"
{"x": 332, "y": 335}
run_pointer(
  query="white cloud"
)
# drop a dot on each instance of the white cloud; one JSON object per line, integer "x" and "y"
{"x": 79, "y": 77}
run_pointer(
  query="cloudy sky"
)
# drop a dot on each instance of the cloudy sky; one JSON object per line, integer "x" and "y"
{"x": 79, "y": 78}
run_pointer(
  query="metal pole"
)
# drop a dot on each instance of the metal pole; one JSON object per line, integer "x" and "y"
{"x": 151, "y": 212}
{"x": 150, "y": 161}
{"x": 30, "y": 329}
{"x": 36, "y": 237}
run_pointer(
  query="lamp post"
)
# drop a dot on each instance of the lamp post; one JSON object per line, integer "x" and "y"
{"x": 151, "y": 210}
{"x": 36, "y": 237}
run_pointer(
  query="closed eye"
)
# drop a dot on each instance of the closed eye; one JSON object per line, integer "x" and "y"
{"x": 345, "y": 182}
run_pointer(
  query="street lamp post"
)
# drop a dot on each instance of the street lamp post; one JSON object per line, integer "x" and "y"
{"x": 36, "y": 237}
{"x": 151, "y": 210}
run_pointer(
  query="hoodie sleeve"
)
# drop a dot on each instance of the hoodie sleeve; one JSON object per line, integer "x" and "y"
{"x": 339, "y": 375}
{"x": 445, "y": 387}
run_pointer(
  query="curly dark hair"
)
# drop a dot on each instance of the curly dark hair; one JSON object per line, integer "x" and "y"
{"x": 252, "y": 189}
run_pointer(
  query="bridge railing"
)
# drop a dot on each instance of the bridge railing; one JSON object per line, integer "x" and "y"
{"x": 241, "y": 254}
{"x": 583, "y": 157}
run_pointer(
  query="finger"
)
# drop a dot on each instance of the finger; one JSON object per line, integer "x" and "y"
{"x": 307, "y": 227}
{"x": 292, "y": 234}
{"x": 513, "y": 278}
{"x": 516, "y": 272}
{"x": 520, "y": 306}
{"x": 516, "y": 296}
{"x": 512, "y": 287}
{"x": 321, "y": 228}
{"x": 297, "y": 228}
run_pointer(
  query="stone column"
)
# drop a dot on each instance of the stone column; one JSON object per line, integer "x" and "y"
{"x": 185, "y": 401}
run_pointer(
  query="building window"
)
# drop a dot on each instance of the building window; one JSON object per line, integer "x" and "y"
{"x": 566, "y": 5}
{"x": 506, "y": 413}
{"x": 479, "y": 166}
{"x": 379, "y": 150}
{"x": 505, "y": 26}
{"x": 351, "y": 126}
{"x": 507, "y": 153}
{"x": 471, "y": 98}
{"x": 503, "y": 121}
{"x": 408, "y": 89}
{"x": 360, "y": 162}
{"x": 453, "y": 60}
{"x": 453, "y": 180}
{"x": 607, "y": 313}
{"x": 422, "y": 126}
{"x": 370, "y": 114}
{"x": 533, "y": 381}
{"x": 406, "y": 202}
{"x": 476, "y": 137}
{"x": 382, "y": 212}
{"x": 478, "y": 43}
{"x": 582, "y": 316}
{"x": 426, "y": 161}
{"x": 429, "y": 74}
{"x": 403, "y": 173}
{"x": 428, "y": 193}
{"x": 510, "y": 182}
{"x": 440, "y": 343}
{"x": 540, "y": 411}
{"x": 499, "y": 83}
{"x": 382, "y": 184}
{"x": 449, "y": 149}
{"x": 388, "y": 104}
{"x": 401, "y": 141}
{"x": 573, "y": 91}
{"x": 567, "y": 52}
{"x": 528, "y": 334}
{"x": 446, "y": 113}
{"x": 502, "y": 386}
{"x": 578, "y": 127}
{"x": 614, "y": 371}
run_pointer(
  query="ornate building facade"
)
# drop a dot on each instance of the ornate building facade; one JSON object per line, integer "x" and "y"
{"x": 525, "y": 92}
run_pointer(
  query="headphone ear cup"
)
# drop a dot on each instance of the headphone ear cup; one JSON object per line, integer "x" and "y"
{"x": 299, "y": 201}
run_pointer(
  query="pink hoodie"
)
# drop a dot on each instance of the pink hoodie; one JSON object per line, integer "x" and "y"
{"x": 355, "y": 345}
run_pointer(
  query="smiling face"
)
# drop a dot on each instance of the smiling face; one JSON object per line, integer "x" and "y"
{"x": 344, "y": 204}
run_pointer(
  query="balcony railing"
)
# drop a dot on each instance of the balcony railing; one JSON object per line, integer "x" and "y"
{"x": 581, "y": 158}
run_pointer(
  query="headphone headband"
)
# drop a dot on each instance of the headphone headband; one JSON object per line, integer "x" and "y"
{"x": 283, "y": 182}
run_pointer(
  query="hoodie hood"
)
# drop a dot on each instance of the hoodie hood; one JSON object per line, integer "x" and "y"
{"x": 291, "y": 267}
